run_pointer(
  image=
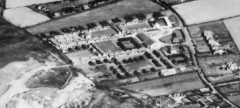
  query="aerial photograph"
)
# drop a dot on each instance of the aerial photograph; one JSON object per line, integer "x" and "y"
{"x": 119, "y": 53}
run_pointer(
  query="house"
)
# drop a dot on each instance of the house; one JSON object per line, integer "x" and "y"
{"x": 219, "y": 52}
{"x": 85, "y": 7}
{"x": 208, "y": 34}
{"x": 163, "y": 23}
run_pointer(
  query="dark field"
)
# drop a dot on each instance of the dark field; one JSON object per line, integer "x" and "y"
{"x": 167, "y": 85}
{"x": 98, "y": 14}
{"x": 56, "y": 77}
{"x": 16, "y": 44}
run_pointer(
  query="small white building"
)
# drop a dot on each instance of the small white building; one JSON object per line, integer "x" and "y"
{"x": 167, "y": 72}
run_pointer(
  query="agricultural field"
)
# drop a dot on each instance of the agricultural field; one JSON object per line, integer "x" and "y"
{"x": 22, "y": 3}
{"x": 194, "y": 13}
{"x": 167, "y": 85}
{"x": 233, "y": 26}
{"x": 24, "y": 17}
{"x": 211, "y": 67}
{"x": 99, "y": 14}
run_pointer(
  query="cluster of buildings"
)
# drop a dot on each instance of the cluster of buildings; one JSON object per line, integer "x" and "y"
{"x": 217, "y": 49}
{"x": 96, "y": 34}
{"x": 199, "y": 98}
{"x": 105, "y": 45}
{"x": 206, "y": 98}
{"x": 69, "y": 8}
{"x": 208, "y": 45}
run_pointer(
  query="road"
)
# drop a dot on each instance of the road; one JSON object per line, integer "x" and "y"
{"x": 228, "y": 83}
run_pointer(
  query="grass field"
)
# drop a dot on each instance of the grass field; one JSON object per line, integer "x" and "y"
{"x": 233, "y": 26}
{"x": 167, "y": 85}
{"x": 210, "y": 66}
{"x": 200, "y": 11}
{"x": 108, "y": 46}
{"x": 138, "y": 65}
{"x": 105, "y": 32}
{"x": 118, "y": 9}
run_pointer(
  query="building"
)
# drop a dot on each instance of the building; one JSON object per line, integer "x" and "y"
{"x": 147, "y": 41}
{"x": 163, "y": 23}
{"x": 167, "y": 72}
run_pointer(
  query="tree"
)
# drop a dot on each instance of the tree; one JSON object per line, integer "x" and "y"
{"x": 157, "y": 14}
{"x": 153, "y": 69}
{"x": 106, "y": 61}
{"x": 70, "y": 50}
{"x": 141, "y": 16}
{"x": 148, "y": 55}
{"x": 141, "y": 58}
{"x": 90, "y": 63}
{"x": 77, "y": 48}
{"x": 84, "y": 46}
{"x": 114, "y": 71}
{"x": 128, "y": 18}
{"x": 91, "y": 25}
{"x": 131, "y": 60}
{"x": 98, "y": 62}
{"x": 125, "y": 61}
{"x": 127, "y": 74}
{"x": 116, "y": 20}
{"x": 119, "y": 76}
{"x": 136, "y": 59}
{"x": 111, "y": 68}
{"x": 156, "y": 63}
{"x": 104, "y": 23}
{"x": 144, "y": 71}
{"x": 156, "y": 53}
{"x": 136, "y": 73}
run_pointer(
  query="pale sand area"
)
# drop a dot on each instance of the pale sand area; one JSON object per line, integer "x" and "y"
{"x": 24, "y": 17}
